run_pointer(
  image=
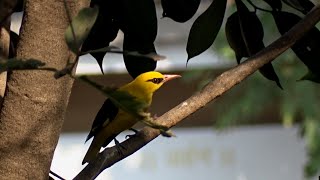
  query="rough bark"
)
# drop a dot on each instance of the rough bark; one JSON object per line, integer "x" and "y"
{"x": 4, "y": 53}
{"x": 35, "y": 102}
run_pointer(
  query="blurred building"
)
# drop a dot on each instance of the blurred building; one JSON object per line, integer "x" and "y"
{"x": 261, "y": 152}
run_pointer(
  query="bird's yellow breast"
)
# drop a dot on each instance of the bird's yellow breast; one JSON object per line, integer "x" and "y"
{"x": 122, "y": 121}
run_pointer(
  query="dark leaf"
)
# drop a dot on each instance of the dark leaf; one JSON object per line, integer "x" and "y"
{"x": 205, "y": 29}
{"x": 179, "y": 10}
{"x": 14, "y": 39}
{"x": 307, "y": 48}
{"x": 268, "y": 72}
{"x": 294, "y": 4}
{"x": 104, "y": 30}
{"x": 303, "y": 6}
{"x": 307, "y": 5}
{"x": 19, "y": 6}
{"x": 251, "y": 28}
{"x": 138, "y": 21}
{"x": 234, "y": 37}
{"x": 6, "y": 9}
{"x": 80, "y": 27}
{"x": 311, "y": 77}
{"x": 137, "y": 65}
{"x": 275, "y": 4}
{"x": 252, "y": 34}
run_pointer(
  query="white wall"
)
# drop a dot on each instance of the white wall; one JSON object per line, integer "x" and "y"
{"x": 247, "y": 153}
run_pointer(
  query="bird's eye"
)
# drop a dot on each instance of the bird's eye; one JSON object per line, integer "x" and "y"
{"x": 156, "y": 80}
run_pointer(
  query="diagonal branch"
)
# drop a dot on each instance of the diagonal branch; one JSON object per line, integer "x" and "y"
{"x": 213, "y": 90}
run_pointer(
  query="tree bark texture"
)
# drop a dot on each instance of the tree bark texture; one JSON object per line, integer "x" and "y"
{"x": 4, "y": 53}
{"x": 35, "y": 102}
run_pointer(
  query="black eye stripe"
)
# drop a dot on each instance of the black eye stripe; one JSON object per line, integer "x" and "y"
{"x": 156, "y": 80}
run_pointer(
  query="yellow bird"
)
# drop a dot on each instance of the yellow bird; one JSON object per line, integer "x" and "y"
{"x": 110, "y": 121}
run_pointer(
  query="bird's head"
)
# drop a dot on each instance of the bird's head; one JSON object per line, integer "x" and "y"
{"x": 152, "y": 81}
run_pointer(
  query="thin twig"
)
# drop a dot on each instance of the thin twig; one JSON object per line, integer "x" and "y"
{"x": 56, "y": 175}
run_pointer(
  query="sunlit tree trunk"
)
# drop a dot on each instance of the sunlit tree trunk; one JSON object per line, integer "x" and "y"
{"x": 4, "y": 53}
{"x": 35, "y": 102}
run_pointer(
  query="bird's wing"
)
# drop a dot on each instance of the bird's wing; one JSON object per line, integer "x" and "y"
{"x": 106, "y": 114}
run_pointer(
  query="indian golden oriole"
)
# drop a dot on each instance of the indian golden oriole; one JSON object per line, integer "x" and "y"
{"x": 110, "y": 121}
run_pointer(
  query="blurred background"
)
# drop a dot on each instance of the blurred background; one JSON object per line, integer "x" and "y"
{"x": 249, "y": 133}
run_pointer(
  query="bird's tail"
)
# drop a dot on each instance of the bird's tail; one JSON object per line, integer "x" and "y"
{"x": 92, "y": 152}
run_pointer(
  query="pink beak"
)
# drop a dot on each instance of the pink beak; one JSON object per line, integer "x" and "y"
{"x": 168, "y": 77}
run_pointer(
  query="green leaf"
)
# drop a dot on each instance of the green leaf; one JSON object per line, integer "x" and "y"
{"x": 303, "y": 6}
{"x": 179, "y": 10}
{"x": 294, "y": 4}
{"x": 78, "y": 30}
{"x": 276, "y": 5}
{"x": 205, "y": 29}
{"x": 311, "y": 77}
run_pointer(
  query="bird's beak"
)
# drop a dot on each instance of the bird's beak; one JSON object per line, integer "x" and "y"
{"x": 168, "y": 77}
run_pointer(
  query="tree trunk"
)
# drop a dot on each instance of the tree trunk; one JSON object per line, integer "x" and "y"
{"x": 35, "y": 102}
{"x": 4, "y": 53}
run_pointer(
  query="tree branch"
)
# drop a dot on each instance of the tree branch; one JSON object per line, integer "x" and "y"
{"x": 213, "y": 90}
